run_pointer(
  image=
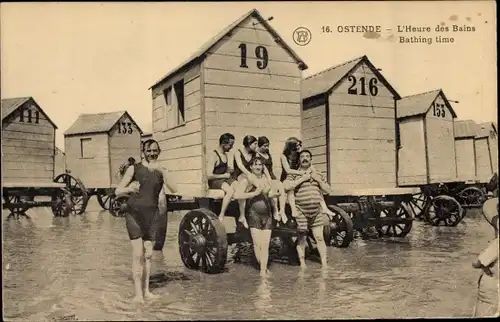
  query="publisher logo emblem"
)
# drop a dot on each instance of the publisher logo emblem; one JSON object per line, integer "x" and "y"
{"x": 302, "y": 36}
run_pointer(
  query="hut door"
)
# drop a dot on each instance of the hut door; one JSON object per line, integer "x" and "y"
{"x": 314, "y": 136}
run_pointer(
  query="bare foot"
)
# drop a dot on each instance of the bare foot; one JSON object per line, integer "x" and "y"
{"x": 277, "y": 216}
{"x": 265, "y": 273}
{"x": 150, "y": 296}
{"x": 294, "y": 213}
{"x": 243, "y": 221}
{"x": 303, "y": 266}
{"x": 325, "y": 267}
{"x": 138, "y": 299}
{"x": 284, "y": 219}
{"x": 221, "y": 218}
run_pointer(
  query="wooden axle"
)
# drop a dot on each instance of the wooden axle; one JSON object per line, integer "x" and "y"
{"x": 29, "y": 204}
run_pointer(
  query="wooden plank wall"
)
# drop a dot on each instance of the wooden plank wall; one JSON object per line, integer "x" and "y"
{"x": 258, "y": 102}
{"x": 314, "y": 135}
{"x": 27, "y": 148}
{"x": 94, "y": 171}
{"x": 483, "y": 162}
{"x": 181, "y": 146}
{"x": 59, "y": 162}
{"x": 412, "y": 170}
{"x": 441, "y": 145}
{"x": 466, "y": 162}
{"x": 493, "y": 144}
{"x": 122, "y": 145}
{"x": 362, "y": 135}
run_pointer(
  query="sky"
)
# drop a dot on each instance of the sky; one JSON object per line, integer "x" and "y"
{"x": 78, "y": 58}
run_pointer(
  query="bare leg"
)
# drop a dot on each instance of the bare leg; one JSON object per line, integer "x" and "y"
{"x": 320, "y": 242}
{"x": 301, "y": 246}
{"x": 137, "y": 268}
{"x": 256, "y": 243}
{"x": 282, "y": 200}
{"x": 264, "y": 251}
{"x": 291, "y": 201}
{"x": 228, "y": 194}
{"x": 148, "y": 253}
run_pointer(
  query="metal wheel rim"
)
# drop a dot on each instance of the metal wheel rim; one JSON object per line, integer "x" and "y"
{"x": 396, "y": 229}
{"x": 79, "y": 194}
{"x": 444, "y": 210}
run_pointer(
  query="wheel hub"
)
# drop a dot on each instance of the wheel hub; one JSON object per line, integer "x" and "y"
{"x": 197, "y": 242}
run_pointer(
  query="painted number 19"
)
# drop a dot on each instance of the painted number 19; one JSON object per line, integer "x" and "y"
{"x": 372, "y": 86}
{"x": 260, "y": 53}
{"x": 438, "y": 110}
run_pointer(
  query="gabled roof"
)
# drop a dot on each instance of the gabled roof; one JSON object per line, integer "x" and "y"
{"x": 327, "y": 80}
{"x": 485, "y": 129}
{"x": 97, "y": 123}
{"x": 9, "y": 105}
{"x": 201, "y": 52}
{"x": 465, "y": 129}
{"x": 419, "y": 104}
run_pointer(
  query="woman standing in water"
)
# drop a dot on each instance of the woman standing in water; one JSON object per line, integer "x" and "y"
{"x": 260, "y": 218}
{"x": 146, "y": 204}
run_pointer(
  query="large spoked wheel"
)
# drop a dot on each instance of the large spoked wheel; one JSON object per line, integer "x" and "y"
{"x": 418, "y": 203}
{"x": 62, "y": 203}
{"x": 472, "y": 196}
{"x": 118, "y": 205}
{"x": 444, "y": 210}
{"x": 15, "y": 206}
{"x": 203, "y": 241}
{"x": 399, "y": 221}
{"x": 105, "y": 200}
{"x": 341, "y": 228}
{"x": 79, "y": 194}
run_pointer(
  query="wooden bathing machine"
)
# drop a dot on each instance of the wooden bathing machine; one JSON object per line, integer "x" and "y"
{"x": 59, "y": 161}
{"x": 486, "y": 151}
{"x": 349, "y": 124}
{"x": 427, "y": 142}
{"x": 28, "y": 142}
{"x": 465, "y": 132}
{"x": 97, "y": 144}
{"x": 246, "y": 80}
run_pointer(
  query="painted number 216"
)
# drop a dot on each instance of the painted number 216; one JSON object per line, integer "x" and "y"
{"x": 372, "y": 86}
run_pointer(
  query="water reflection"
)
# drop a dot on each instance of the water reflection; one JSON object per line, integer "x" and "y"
{"x": 82, "y": 265}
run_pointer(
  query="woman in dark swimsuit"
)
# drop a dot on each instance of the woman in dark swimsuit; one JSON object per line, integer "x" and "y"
{"x": 145, "y": 206}
{"x": 260, "y": 219}
{"x": 242, "y": 159}
{"x": 277, "y": 186}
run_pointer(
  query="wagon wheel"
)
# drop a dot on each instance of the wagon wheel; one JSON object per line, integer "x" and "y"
{"x": 472, "y": 196}
{"x": 341, "y": 228}
{"x": 62, "y": 203}
{"x": 79, "y": 194}
{"x": 444, "y": 209}
{"x": 118, "y": 205}
{"x": 105, "y": 200}
{"x": 396, "y": 229}
{"x": 17, "y": 210}
{"x": 203, "y": 241}
{"x": 418, "y": 203}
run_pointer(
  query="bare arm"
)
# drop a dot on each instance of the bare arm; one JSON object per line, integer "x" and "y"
{"x": 126, "y": 179}
{"x": 168, "y": 182}
{"x": 290, "y": 184}
{"x": 162, "y": 202}
{"x": 286, "y": 166}
{"x": 240, "y": 193}
{"x": 325, "y": 187}
{"x": 212, "y": 160}
{"x": 237, "y": 159}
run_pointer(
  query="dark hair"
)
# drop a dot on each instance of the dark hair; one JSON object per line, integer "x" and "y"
{"x": 224, "y": 138}
{"x": 131, "y": 161}
{"x": 306, "y": 151}
{"x": 291, "y": 145}
{"x": 263, "y": 140}
{"x": 256, "y": 158}
{"x": 248, "y": 140}
{"x": 148, "y": 143}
